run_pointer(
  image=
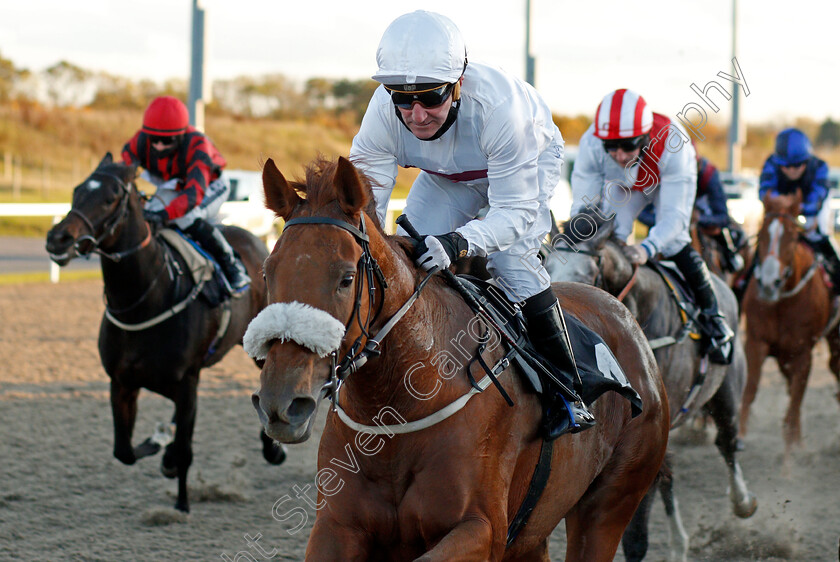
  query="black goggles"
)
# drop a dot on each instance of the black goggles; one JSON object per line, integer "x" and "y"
{"x": 626, "y": 145}
{"x": 164, "y": 140}
{"x": 427, "y": 95}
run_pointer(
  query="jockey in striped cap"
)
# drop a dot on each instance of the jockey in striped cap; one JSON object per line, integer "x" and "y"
{"x": 631, "y": 157}
{"x": 186, "y": 168}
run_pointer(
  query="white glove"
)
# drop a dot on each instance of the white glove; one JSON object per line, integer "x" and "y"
{"x": 637, "y": 254}
{"x": 435, "y": 255}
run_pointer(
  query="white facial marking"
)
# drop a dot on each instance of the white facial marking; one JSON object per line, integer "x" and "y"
{"x": 93, "y": 184}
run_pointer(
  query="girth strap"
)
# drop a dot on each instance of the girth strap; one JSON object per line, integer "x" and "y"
{"x": 535, "y": 490}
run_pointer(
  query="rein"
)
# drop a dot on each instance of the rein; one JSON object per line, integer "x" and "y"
{"x": 626, "y": 290}
{"x": 357, "y": 356}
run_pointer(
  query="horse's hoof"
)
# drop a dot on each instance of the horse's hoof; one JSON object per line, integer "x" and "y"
{"x": 739, "y": 444}
{"x": 275, "y": 454}
{"x": 146, "y": 449}
{"x": 746, "y": 509}
{"x": 168, "y": 471}
{"x": 183, "y": 507}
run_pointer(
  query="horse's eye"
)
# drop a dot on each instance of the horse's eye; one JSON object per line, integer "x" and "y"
{"x": 347, "y": 281}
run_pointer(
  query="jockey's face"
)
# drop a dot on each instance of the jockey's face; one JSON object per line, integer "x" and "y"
{"x": 424, "y": 121}
{"x": 623, "y": 158}
{"x": 793, "y": 173}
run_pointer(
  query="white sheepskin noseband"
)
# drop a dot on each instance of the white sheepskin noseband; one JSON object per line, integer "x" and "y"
{"x": 305, "y": 325}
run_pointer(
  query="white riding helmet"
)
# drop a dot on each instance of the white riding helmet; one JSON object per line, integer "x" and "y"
{"x": 421, "y": 48}
{"x": 622, "y": 114}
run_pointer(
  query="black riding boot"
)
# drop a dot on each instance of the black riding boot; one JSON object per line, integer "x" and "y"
{"x": 826, "y": 248}
{"x": 547, "y": 330}
{"x": 697, "y": 275}
{"x": 211, "y": 239}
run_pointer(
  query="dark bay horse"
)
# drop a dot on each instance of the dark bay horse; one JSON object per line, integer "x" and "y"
{"x": 143, "y": 285}
{"x": 694, "y": 385}
{"x": 787, "y": 307}
{"x": 412, "y": 464}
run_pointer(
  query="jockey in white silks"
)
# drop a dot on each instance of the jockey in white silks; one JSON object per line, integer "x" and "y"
{"x": 481, "y": 138}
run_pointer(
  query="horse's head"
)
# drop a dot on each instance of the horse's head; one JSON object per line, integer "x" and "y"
{"x": 574, "y": 254}
{"x": 323, "y": 291}
{"x": 777, "y": 241}
{"x": 98, "y": 211}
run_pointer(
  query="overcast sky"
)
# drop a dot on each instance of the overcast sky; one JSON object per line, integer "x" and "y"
{"x": 787, "y": 51}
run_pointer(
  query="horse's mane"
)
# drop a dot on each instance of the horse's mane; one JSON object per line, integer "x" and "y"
{"x": 319, "y": 189}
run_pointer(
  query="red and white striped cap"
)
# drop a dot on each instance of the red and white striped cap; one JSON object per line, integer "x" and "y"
{"x": 622, "y": 114}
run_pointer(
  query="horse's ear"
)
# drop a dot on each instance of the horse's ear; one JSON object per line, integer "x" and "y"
{"x": 280, "y": 197}
{"x": 107, "y": 159}
{"x": 352, "y": 195}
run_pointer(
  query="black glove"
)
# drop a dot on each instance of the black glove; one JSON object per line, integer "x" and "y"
{"x": 428, "y": 255}
{"x": 155, "y": 217}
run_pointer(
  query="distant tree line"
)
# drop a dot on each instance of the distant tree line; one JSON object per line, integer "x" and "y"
{"x": 273, "y": 96}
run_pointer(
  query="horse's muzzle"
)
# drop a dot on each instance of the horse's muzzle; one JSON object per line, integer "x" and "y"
{"x": 286, "y": 421}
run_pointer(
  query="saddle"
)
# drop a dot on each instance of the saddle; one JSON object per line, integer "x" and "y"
{"x": 598, "y": 368}
{"x": 683, "y": 297}
{"x": 199, "y": 264}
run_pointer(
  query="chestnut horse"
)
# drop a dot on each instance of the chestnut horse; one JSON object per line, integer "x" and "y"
{"x": 787, "y": 307}
{"x": 695, "y": 386}
{"x": 404, "y": 474}
{"x": 155, "y": 347}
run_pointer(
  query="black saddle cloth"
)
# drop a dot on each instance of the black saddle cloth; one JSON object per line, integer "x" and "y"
{"x": 599, "y": 369}
{"x": 214, "y": 291}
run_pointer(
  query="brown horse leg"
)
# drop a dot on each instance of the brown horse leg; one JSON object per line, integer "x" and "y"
{"x": 634, "y": 541}
{"x": 796, "y": 370}
{"x": 124, "y": 409}
{"x": 331, "y": 541}
{"x": 596, "y": 524}
{"x": 179, "y": 452}
{"x": 469, "y": 540}
{"x": 756, "y": 351}
{"x": 539, "y": 554}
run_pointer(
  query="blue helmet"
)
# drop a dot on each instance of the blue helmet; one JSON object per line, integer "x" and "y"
{"x": 792, "y": 147}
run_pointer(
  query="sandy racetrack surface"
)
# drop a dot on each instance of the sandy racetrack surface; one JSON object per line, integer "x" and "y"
{"x": 64, "y": 497}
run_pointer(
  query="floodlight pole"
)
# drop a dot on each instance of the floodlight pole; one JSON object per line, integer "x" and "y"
{"x": 529, "y": 60}
{"x": 735, "y": 135}
{"x": 197, "y": 67}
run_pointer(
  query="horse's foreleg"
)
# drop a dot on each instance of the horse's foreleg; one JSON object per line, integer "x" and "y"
{"x": 756, "y": 351}
{"x": 181, "y": 448}
{"x": 796, "y": 370}
{"x": 331, "y": 541}
{"x": 124, "y": 410}
{"x": 723, "y": 407}
{"x": 469, "y": 540}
